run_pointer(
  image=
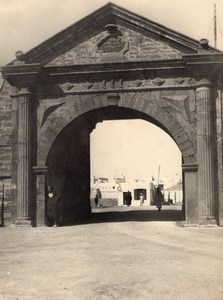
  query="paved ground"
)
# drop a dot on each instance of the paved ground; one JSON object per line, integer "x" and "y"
{"x": 133, "y": 255}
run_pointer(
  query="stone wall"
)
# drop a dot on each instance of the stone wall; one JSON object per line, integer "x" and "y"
{"x": 5, "y": 130}
{"x": 5, "y": 149}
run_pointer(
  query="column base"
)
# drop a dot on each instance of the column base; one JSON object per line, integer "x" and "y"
{"x": 41, "y": 225}
{"x": 23, "y": 222}
{"x": 207, "y": 221}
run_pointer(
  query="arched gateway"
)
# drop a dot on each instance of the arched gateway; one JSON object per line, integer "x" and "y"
{"x": 111, "y": 65}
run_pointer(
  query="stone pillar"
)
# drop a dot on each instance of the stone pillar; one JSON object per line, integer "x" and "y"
{"x": 190, "y": 193}
{"x": 219, "y": 148}
{"x": 40, "y": 218}
{"x": 24, "y": 159}
{"x": 206, "y": 206}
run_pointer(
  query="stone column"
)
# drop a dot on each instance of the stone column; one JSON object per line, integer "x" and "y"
{"x": 40, "y": 218}
{"x": 24, "y": 158}
{"x": 219, "y": 146}
{"x": 205, "y": 153}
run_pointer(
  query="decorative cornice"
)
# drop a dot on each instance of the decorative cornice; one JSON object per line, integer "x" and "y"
{"x": 22, "y": 75}
{"x": 204, "y": 65}
{"x": 199, "y": 66}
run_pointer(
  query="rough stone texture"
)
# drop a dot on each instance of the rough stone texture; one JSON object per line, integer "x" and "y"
{"x": 5, "y": 150}
{"x": 136, "y": 47}
{"x": 5, "y": 129}
{"x": 219, "y": 150}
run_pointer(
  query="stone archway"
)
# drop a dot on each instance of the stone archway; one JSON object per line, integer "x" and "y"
{"x": 127, "y": 62}
{"x": 146, "y": 106}
{"x": 161, "y": 112}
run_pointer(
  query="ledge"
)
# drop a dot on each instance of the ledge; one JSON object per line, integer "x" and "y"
{"x": 38, "y": 170}
{"x": 192, "y": 167}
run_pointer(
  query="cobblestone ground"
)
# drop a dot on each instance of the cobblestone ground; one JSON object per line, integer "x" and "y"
{"x": 134, "y": 255}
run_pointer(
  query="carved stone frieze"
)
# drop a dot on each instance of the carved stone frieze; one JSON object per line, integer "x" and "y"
{"x": 180, "y": 80}
{"x": 157, "y": 81}
{"x": 117, "y": 84}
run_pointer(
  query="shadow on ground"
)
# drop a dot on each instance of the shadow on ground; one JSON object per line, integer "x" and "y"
{"x": 101, "y": 216}
{"x": 137, "y": 216}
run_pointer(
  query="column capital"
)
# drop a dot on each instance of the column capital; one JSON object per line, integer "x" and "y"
{"x": 22, "y": 92}
{"x": 203, "y": 83}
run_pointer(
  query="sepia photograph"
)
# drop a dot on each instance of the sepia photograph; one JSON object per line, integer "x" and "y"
{"x": 111, "y": 149}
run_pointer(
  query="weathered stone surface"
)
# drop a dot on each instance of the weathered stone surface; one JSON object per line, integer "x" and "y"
{"x": 5, "y": 130}
{"x": 136, "y": 46}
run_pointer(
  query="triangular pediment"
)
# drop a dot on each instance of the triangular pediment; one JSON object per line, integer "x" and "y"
{"x": 113, "y": 34}
{"x": 119, "y": 45}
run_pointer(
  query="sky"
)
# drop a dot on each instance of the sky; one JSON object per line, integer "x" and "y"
{"x": 24, "y": 24}
{"x": 116, "y": 146}
{"x": 136, "y": 149}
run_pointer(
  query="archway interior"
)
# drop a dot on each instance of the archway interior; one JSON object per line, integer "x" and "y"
{"x": 69, "y": 161}
{"x": 135, "y": 149}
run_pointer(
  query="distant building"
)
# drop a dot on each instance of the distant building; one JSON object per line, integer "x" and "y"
{"x": 117, "y": 189}
{"x": 174, "y": 193}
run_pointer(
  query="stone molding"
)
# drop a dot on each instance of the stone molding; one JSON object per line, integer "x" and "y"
{"x": 39, "y": 170}
{"x": 190, "y": 167}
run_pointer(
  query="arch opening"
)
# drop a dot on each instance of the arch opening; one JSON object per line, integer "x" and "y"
{"x": 69, "y": 160}
{"x": 135, "y": 156}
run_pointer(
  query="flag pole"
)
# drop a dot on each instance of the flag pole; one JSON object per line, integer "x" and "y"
{"x": 215, "y": 27}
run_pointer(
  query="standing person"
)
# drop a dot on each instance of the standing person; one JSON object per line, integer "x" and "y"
{"x": 128, "y": 198}
{"x": 141, "y": 198}
{"x": 159, "y": 199}
{"x": 96, "y": 200}
{"x": 53, "y": 206}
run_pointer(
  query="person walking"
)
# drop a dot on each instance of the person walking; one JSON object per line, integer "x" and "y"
{"x": 53, "y": 207}
{"x": 159, "y": 199}
{"x": 96, "y": 200}
{"x": 141, "y": 198}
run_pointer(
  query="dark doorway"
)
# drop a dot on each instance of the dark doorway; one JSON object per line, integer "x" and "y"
{"x": 137, "y": 193}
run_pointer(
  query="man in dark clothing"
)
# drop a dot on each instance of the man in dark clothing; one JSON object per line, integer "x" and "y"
{"x": 159, "y": 199}
{"x": 96, "y": 200}
{"x": 53, "y": 206}
{"x": 128, "y": 198}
